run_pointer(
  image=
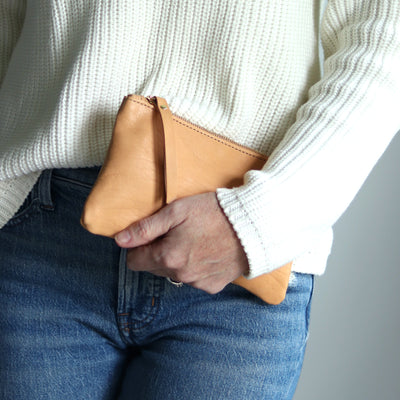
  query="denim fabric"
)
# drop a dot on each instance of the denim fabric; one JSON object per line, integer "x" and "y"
{"x": 76, "y": 324}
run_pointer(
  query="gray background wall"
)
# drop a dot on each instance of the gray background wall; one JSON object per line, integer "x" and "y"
{"x": 354, "y": 346}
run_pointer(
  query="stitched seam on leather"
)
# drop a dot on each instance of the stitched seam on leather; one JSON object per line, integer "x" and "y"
{"x": 216, "y": 139}
{"x": 142, "y": 103}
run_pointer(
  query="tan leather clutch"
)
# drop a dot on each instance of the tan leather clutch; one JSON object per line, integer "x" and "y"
{"x": 156, "y": 157}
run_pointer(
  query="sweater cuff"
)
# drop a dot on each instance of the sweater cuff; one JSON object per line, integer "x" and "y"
{"x": 250, "y": 238}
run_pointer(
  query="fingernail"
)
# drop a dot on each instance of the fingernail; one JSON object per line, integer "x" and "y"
{"x": 123, "y": 237}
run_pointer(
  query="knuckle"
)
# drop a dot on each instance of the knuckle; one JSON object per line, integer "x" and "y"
{"x": 168, "y": 260}
{"x": 175, "y": 259}
{"x": 184, "y": 275}
{"x": 143, "y": 228}
{"x": 175, "y": 210}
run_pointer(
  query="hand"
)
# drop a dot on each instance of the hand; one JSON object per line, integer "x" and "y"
{"x": 189, "y": 240}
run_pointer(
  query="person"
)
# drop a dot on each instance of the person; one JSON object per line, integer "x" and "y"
{"x": 89, "y": 317}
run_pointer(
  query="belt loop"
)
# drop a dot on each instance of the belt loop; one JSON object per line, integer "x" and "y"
{"x": 45, "y": 198}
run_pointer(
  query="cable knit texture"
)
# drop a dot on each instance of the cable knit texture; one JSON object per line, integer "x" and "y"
{"x": 248, "y": 70}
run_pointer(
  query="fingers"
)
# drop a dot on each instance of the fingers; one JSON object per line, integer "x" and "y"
{"x": 190, "y": 240}
{"x": 211, "y": 284}
{"x": 148, "y": 229}
{"x": 160, "y": 259}
{"x": 156, "y": 257}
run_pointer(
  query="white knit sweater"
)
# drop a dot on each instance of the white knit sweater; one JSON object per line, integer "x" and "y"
{"x": 247, "y": 69}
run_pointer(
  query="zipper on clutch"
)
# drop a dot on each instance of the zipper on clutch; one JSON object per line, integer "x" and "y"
{"x": 153, "y": 101}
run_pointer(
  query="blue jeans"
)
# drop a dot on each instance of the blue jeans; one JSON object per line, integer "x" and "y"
{"x": 76, "y": 324}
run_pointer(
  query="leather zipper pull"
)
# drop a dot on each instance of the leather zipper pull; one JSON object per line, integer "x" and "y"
{"x": 170, "y": 167}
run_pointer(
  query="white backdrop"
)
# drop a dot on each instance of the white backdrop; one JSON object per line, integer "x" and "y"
{"x": 354, "y": 346}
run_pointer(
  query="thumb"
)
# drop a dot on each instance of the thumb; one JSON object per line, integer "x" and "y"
{"x": 146, "y": 230}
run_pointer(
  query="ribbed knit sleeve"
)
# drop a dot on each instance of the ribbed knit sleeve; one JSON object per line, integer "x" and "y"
{"x": 350, "y": 117}
{"x": 12, "y": 14}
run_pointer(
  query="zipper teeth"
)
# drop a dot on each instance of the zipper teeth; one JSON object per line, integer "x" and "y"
{"x": 152, "y": 101}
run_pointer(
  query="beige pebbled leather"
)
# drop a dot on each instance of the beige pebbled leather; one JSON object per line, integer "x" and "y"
{"x": 156, "y": 157}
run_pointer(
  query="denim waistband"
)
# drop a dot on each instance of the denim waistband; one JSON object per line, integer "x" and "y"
{"x": 84, "y": 176}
